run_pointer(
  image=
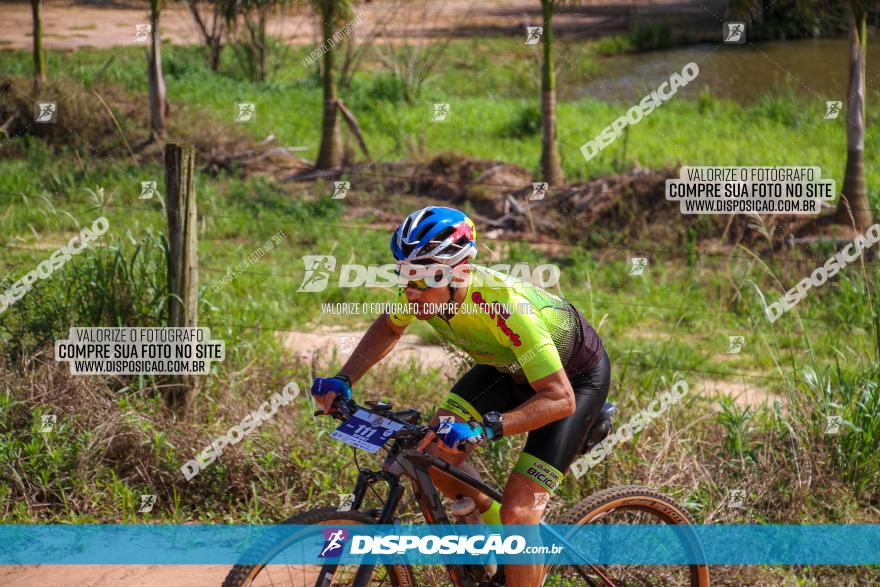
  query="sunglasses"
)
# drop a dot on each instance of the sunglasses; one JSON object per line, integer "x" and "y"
{"x": 418, "y": 284}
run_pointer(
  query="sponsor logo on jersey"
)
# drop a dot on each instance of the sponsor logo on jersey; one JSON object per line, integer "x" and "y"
{"x": 497, "y": 312}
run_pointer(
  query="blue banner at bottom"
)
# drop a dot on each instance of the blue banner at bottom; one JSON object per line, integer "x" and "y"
{"x": 436, "y": 544}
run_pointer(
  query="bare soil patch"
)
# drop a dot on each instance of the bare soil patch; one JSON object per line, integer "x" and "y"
{"x": 743, "y": 394}
{"x": 113, "y": 575}
{"x": 320, "y": 346}
{"x": 69, "y": 24}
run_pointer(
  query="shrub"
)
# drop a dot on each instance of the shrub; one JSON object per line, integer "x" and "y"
{"x": 525, "y": 123}
{"x": 614, "y": 45}
{"x": 81, "y": 121}
{"x": 651, "y": 37}
{"x": 109, "y": 286}
{"x": 387, "y": 87}
{"x": 791, "y": 19}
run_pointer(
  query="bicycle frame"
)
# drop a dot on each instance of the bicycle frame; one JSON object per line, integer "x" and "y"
{"x": 415, "y": 465}
{"x": 406, "y": 457}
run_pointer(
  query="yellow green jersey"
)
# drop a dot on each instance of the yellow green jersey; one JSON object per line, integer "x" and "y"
{"x": 514, "y": 326}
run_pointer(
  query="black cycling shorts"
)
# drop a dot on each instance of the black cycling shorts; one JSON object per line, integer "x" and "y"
{"x": 549, "y": 450}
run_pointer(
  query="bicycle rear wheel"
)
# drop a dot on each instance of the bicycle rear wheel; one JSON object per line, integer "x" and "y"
{"x": 280, "y": 574}
{"x": 628, "y": 504}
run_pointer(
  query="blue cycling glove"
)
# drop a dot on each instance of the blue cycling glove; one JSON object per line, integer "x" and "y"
{"x": 340, "y": 385}
{"x": 456, "y": 434}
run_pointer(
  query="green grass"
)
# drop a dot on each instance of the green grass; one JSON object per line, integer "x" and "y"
{"x": 818, "y": 360}
{"x": 488, "y": 85}
{"x": 491, "y": 117}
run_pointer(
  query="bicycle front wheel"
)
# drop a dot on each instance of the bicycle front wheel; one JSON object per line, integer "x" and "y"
{"x": 629, "y": 504}
{"x": 278, "y": 574}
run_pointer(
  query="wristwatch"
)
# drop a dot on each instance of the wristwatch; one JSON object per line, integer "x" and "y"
{"x": 494, "y": 422}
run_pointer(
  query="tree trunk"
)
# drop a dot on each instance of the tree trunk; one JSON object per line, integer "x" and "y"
{"x": 551, "y": 170}
{"x": 158, "y": 100}
{"x": 39, "y": 57}
{"x": 216, "y": 43}
{"x": 853, "y": 206}
{"x": 215, "y": 48}
{"x": 330, "y": 154}
{"x": 213, "y": 38}
{"x": 264, "y": 48}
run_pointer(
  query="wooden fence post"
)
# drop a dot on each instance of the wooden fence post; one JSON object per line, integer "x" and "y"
{"x": 183, "y": 274}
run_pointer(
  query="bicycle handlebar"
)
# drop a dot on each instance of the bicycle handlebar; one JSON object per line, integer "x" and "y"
{"x": 345, "y": 409}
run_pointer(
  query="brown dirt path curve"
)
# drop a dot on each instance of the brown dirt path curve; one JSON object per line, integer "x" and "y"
{"x": 113, "y": 575}
{"x": 69, "y": 24}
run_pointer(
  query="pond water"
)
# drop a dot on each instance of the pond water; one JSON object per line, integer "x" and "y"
{"x": 816, "y": 67}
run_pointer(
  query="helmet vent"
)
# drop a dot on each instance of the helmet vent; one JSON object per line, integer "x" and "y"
{"x": 425, "y": 228}
{"x": 441, "y": 236}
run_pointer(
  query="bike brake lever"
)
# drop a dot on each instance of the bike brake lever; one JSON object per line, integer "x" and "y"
{"x": 340, "y": 404}
{"x": 335, "y": 414}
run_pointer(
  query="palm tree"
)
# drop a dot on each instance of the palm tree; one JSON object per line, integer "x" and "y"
{"x": 157, "y": 97}
{"x": 551, "y": 170}
{"x": 39, "y": 57}
{"x": 332, "y": 12}
{"x": 853, "y": 205}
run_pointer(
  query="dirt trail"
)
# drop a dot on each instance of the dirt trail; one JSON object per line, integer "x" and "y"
{"x": 69, "y": 24}
{"x": 321, "y": 344}
{"x": 113, "y": 575}
{"x": 743, "y": 394}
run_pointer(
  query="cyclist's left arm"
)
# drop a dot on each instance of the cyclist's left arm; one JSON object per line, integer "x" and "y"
{"x": 553, "y": 400}
{"x": 541, "y": 364}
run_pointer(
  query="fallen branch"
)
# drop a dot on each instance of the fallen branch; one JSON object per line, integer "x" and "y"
{"x": 314, "y": 174}
{"x": 488, "y": 173}
{"x": 5, "y": 128}
{"x": 353, "y": 125}
{"x": 499, "y": 222}
{"x": 516, "y": 205}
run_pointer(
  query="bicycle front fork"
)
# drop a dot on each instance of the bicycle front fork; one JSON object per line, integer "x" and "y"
{"x": 460, "y": 576}
{"x": 395, "y": 493}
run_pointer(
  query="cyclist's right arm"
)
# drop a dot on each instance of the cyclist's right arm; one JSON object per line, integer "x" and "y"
{"x": 380, "y": 338}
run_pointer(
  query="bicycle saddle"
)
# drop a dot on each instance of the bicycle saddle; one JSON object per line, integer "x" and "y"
{"x": 608, "y": 411}
{"x": 601, "y": 429}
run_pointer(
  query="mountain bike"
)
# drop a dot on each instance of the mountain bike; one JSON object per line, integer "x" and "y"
{"x": 616, "y": 505}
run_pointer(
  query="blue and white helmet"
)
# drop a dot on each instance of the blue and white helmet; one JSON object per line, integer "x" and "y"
{"x": 442, "y": 235}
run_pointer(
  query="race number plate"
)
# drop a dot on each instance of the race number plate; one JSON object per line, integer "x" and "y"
{"x": 366, "y": 431}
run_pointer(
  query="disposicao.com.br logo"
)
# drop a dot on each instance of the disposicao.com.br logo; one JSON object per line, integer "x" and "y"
{"x": 477, "y": 544}
{"x": 334, "y": 542}
{"x": 319, "y": 269}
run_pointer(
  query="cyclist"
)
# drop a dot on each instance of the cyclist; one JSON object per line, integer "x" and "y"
{"x": 541, "y": 368}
